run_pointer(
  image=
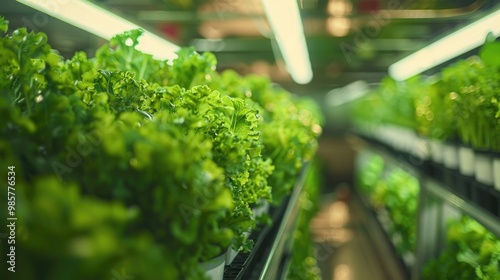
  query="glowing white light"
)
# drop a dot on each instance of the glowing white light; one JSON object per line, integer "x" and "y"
{"x": 339, "y": 8}
{"x": 457, "y": 43}
{"x": 102, "y": 23}
{"x": 284, "y": 18}
{"x": 338, "y": 27}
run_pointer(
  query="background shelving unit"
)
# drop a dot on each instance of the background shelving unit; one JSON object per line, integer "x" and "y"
{"x": 437, "y": 204}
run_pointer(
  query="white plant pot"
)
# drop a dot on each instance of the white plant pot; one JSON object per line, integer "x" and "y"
{"x": 230, "y": 255}
{"x": 496, "y": 173}
{"x": 466, "y": 161}
{"x": 484, "y": 168}
{"x": 411, "y": 142}
{"x": 261, "y": 208}
{"x": 214, "y": 268}
{"x": 436, "y": 151}
{"x": 418, "y": 149}
{"x": 450, "y": 156}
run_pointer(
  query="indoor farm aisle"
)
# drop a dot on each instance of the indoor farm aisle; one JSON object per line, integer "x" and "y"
{"x": 125, "y": 164}
{"x": 345, "y": 247}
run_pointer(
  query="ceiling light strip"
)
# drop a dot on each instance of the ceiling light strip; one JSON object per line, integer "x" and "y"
{"x": 446, "y": 48}
{"x": 286, "y": 24}
{"x": 102, "y": 23}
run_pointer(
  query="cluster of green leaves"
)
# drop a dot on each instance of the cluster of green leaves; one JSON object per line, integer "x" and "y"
{"x": 37, "y": 101}
{"x": 151, "y": 136}
{"x": 288, "y": 125}
{"x": 371, "y": 173}
{"x": 303, "y": 264}
{"x": 433, "y": 110}
{"x": 234, "y": 120}
{"x": 472, "y": 252}
{"x": 289, "y": 130}
{"x": 70, "y": 121}
{"x": 65, "y": 235}
{"x": 399, "y": 195}
{"x": 474, "y": 93}
{"x": 397, "y": 192}
{"x": 461, "y": 101}
{"x": 395, "y": 99}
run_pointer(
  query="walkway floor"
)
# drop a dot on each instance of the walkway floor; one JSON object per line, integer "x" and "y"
{"x": 344, "y": 250}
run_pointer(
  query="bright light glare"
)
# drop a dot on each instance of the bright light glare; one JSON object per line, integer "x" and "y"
{"x": 102, "y": 23}
{"x": 346, "y": 94}
{"x": 338, "y": 27}
{"x": 342, "y": 272}
{"x": 339, "y": 8}
{"x": 284, "y": 18}
{"x": 459, "y": 42}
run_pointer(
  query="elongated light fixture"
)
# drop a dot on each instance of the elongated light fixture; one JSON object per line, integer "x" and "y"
{"x": 444, "y": 49}
{"x": 102, "y": 23}
{"x": 284, "y": 18}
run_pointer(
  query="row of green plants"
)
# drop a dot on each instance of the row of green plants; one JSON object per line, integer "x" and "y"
{"x": 396, "y": 192}
{"x": 128, "y": 164}
{"x": 471, "y": 252}
{"x": 460, "y": 103}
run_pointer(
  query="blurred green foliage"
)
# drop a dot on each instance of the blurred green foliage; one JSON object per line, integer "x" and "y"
{"x": 460, "y": 103}
{"x": 396, "y": 192}
{"x": 303, "y": 263}
{"x": 472, "y": 252}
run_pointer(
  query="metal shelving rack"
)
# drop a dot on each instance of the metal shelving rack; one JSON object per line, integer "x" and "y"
{"x": 270, "y": 258}
{"x": 436, "y": 205}
{"x": 277, "y": 260}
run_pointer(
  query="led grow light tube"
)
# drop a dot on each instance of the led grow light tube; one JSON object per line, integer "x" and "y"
{"x": 102, "y": 23}
{"x": 284, "y": 18}
{"x": 457, "y": 43}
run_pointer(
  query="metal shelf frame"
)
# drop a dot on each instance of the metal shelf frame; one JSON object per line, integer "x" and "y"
{"x": 274, "y": 264}
{"x": 270, "y": 258}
